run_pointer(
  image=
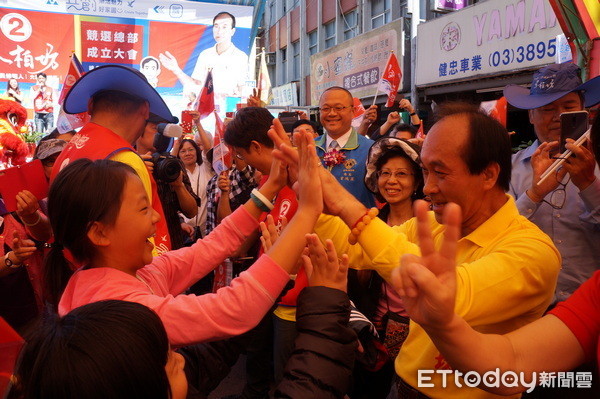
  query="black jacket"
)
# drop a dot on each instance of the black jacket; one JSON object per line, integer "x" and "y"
{"x": 322, "y": 362}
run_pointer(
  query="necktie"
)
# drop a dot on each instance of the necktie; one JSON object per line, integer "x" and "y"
{"x": 334, "y": 145}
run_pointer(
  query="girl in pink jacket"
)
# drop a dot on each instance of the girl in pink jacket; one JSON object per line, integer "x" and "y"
{"x": 100, "y": 212}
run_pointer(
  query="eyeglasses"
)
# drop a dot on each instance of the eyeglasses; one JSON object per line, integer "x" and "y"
{"x": 398, "y": 175}
{"x": 239, "y": 156}
{"x": 337, "y": 109}
{"x": 558, "y": 196}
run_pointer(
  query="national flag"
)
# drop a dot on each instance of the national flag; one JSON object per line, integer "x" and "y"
{"x": 221, "y": 153}
{"x": 390, "y": 79}
{"x": 359, "y": 113}
{"x": 66, "y": 122}
{"x": 497, "y": 109}
{"x": 206, "y": 99}
{"x": 74, "y": 73}
{"x": 264, "y": 81}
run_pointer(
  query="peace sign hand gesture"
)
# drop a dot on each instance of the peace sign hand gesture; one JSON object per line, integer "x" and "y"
{"x": 427, "y": 283}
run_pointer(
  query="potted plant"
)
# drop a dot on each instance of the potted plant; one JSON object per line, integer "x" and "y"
{"x": 31, "y": 137}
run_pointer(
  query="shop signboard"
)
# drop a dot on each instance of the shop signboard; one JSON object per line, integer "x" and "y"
{"x": 285, "y": 95}
{"x": 357, "y": 63}
{"x": 489, "y": 38}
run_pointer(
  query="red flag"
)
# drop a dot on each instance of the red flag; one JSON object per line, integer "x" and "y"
{"x": 421, "y": 132}
{"x": 66, "y": 122}
{"x": 206, "y": 100}
{"x": 497, "y": 109}
{"x": 359, "y": 112}
{"x": 221, "y": 153}
{"x": 264, "y": 81}
{"x": 74, "y": 73}
{"x": 390, "y": 79}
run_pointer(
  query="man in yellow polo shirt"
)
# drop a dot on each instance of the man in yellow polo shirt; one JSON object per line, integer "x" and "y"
{"x": 507, "y": 267}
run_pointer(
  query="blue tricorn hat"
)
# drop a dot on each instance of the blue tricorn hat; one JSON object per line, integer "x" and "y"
{"x": 118, "y": 78}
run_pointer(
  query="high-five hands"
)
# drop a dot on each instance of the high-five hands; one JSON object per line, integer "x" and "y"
{"x": 322, "y": 265}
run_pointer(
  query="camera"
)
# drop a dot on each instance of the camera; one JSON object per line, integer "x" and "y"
{"x": 166, "y": 167}
{"x": 288, "y": 119}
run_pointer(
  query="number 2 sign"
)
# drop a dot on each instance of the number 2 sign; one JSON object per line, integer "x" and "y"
{"x": 15, "y": 27}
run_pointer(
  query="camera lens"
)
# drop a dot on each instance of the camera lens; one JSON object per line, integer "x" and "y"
{"x": 167, "y": 168}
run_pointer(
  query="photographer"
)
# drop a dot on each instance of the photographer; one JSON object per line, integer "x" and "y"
{"x": 174, "y": 189}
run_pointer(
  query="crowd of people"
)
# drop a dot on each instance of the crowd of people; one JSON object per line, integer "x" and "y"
{"x": 353, "y": 267}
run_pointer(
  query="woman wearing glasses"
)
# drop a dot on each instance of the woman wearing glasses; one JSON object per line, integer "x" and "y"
{"x": 394, "y": 176}
{"x": 199, "y": 171}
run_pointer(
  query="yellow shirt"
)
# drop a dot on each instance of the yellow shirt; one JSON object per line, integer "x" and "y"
{"x": 287, "y": 313}
{"x": 132, "y": 159}
{"x": 506, "y": 275}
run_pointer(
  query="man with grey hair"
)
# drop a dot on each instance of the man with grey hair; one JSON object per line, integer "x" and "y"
{"x": 566, "y": 206}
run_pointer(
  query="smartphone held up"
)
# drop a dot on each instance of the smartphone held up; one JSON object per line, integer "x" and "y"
{"x": 572, "y": 126}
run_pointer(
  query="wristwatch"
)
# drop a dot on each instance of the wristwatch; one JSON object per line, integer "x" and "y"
{"x": 10, "y": 263}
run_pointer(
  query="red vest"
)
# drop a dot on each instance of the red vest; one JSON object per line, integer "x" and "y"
{"x": 286, "y": 205}
{"x": 97, "y": 142}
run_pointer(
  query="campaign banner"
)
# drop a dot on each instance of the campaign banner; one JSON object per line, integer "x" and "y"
{"x": 30, "y": 45}
{"x": 173, "y": 43}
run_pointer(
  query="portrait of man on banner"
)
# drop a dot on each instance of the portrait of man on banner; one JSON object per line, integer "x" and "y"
{"x": 228, "y": 63}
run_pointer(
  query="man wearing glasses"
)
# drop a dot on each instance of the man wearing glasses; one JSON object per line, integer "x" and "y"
{"x": 342, "y": 150}
{"x": 566, "y": 206}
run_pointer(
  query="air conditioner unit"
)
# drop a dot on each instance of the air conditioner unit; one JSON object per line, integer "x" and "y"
{"x": 270, "y": 58}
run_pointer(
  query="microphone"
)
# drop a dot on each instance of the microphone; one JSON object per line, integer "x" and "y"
{"x": 169, "y": 130}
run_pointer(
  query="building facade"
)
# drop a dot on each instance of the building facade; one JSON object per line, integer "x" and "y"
{"x": 297, "y": 31}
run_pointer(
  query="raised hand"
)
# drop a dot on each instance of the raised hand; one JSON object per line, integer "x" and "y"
{"x": 427, "y": 283}
{"x": 168, "y": 61}
{"x": 147, "y": 158}
{"x": 580, "y": 165}
{"x": 370, "y": 115}
{"x": 270, "y": 232}
{"x": 393, "y": 118}
{"x": 309, "y": 183}
{"x": 278, "y": 175}
{"x": 22, "y": 248}
{"x": 254, "y": 100}
{"x": 27, "y": 205}
{"x": 323, "y": 268}
{"x": 279, "y": 136}
{"x": 283, "y": 149}
{"x": 405, "y": 104}
{"x": 541, "y": 160}
{"x": 223, "y": 182}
